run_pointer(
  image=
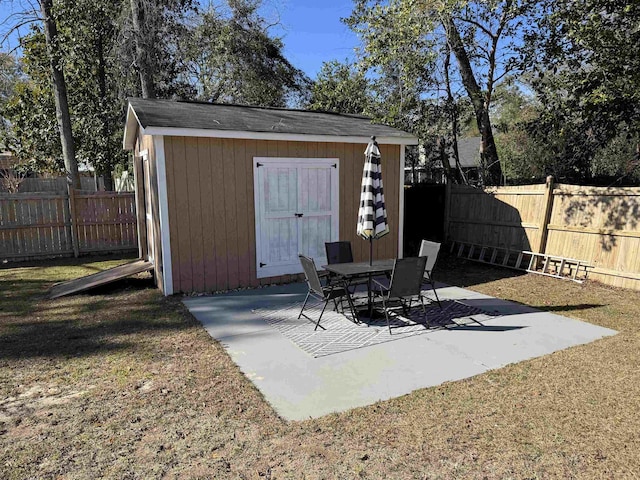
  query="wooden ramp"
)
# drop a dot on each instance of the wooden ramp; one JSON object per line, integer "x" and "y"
{"x": 100, "y": 278}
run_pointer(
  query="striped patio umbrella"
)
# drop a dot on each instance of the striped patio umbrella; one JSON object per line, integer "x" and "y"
{"x": 372, "y": 214}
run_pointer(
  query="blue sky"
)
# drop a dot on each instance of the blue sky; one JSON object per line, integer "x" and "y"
{"x": 311, "y": 30}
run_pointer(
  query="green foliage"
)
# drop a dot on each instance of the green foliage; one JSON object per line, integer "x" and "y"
{"x": 408, "y": 46}
{"x": 10, "y": 76}
{"x": 523, "y": 158}
{"x": 233, "y": 59}
{"x": 167, "y": 26}
{"x": 86, "y": 32}
{"x": 342, "y": 88}
{"x": 226, "y": 57}
{"x": 33, "y": 135}
{"x": 583, "y": 56}
{"x": 590, "y": 48}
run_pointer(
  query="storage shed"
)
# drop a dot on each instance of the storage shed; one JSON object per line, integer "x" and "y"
{"x": 229, "y": 195}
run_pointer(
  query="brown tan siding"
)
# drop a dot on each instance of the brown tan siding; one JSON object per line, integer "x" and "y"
{"x": 211, "y": 206}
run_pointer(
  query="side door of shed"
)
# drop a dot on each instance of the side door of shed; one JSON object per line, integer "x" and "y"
{"x": 296, "y": 205}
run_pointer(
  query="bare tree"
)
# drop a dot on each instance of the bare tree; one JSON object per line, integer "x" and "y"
{"x": 11, "y": 180}
{"x": 141, "y": 39}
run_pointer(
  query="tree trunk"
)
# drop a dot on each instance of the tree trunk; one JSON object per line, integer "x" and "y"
{"x": 457, "y": 175}
{"x": 142, "y": 54}
{"x": 492, "y": 171}
{"x": 104, "y": 169}
{"x": 60, "y": 95}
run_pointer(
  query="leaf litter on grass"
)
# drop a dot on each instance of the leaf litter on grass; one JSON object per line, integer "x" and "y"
{"x": 123, "y": 383}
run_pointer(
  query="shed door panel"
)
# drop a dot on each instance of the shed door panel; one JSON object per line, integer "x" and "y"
{"x": 316, "y": 208}
{"x": 280, "y": 198}
{"x": 296, "y": 212}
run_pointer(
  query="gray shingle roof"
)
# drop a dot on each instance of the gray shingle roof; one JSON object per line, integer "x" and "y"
{"x": 200, "y": 115}
{"x": 468, "y": 152}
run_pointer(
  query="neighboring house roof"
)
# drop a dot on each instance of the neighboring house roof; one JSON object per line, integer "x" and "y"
{"x": 169, "y": 117}
{"x": 468, "y": 152}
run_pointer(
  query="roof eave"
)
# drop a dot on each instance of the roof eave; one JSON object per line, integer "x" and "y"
{"x": 251, "y": 135}
{"x": 130, "y": 129}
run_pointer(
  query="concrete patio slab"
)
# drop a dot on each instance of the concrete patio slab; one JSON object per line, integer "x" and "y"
{"x": 299, "y": 386}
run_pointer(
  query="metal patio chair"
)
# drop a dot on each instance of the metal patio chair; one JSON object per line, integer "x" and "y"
{"x": 430, "y": 250}
{"x": 340, "y": 252}
{"x": 324, "y": 293}
{"x": 405, "y": 286}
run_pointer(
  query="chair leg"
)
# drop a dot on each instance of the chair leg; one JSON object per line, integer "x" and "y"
{"x": 433, "y": 287}
{"x": 424, "y": 310}
{"x": 320, "y": 317}
{"x": 436, "y": 294}
{"x": 304, "y": 304}
{"x": 352, "y": 306}
{"x": 386, "y": 314}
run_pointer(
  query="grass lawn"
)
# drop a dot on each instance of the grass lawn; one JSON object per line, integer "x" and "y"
{"x": 123, "y": 383}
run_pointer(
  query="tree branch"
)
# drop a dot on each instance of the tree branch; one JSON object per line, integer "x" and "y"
{"x": 477, "y": 24}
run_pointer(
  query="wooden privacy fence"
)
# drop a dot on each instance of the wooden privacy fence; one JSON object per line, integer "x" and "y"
{"x": 598, "y": 225}
{"x": 45, "y": 225}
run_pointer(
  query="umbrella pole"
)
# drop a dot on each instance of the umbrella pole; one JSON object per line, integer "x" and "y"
{"x": 369, "y": 285}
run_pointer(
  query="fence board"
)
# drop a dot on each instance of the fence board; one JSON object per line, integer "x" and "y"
{"x": 598, "y": 225}
{"x": 36, "y": 225}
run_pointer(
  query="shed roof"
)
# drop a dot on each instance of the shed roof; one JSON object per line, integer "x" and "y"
{"x": 170, "y": 117}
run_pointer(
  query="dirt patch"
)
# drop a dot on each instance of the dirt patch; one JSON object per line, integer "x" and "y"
{"x": 123, "y": 383}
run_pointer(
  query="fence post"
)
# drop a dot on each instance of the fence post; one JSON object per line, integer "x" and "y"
{"x": 546, "y": 215}
{"x": 74, "y": 221}
{"x": 447, "y": 209}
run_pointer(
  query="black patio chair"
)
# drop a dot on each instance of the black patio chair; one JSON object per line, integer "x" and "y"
{"x": 324, "y": 293}
{"x": 405, "y": 286}
{"x": 340, "y": 252}
{"x": 430, "y": 250}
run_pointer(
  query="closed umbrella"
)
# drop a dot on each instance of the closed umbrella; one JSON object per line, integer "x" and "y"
{"x": 372, "y": 214}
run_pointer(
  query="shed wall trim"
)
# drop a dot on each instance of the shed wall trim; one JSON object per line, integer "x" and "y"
{"x": 401, "y": 204}
{"x": 163, "y": 204}
{"x": 291, "y": 137}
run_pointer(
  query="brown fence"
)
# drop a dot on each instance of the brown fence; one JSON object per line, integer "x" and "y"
{"x": 46, "y": 225}
{"x": 598, "y": 225}
{"x": 52, "y": 185}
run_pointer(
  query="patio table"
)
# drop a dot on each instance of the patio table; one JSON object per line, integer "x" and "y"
{"x": 347, "y": 271}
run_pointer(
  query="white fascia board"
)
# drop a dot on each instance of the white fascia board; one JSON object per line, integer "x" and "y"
{"x": 130, "y": 127}
{"x": 401, "y": 204}
{"x": 291, "y": 137}
{"x": 163, "y": 207}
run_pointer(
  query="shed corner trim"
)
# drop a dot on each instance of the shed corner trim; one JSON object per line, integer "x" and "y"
{"x": 163, "y": 206}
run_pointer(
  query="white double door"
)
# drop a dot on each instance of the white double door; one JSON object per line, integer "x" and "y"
{"x": 296, "y": 205}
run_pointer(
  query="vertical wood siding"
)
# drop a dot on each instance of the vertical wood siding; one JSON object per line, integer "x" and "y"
{"x": 211, "y": 206}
